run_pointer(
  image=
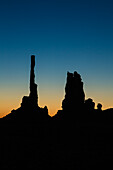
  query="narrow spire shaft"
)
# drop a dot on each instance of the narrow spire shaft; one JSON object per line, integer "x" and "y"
{"x": 33, "y": 86}
{"x": 32, "y": 74}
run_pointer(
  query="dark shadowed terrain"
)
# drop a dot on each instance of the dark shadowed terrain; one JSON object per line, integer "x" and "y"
{"x": 77, "y": 137}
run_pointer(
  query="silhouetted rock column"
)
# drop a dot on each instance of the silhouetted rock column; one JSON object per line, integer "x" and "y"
{"x": 74, "y": 93}
{"x": 29, "y": 110}
{"x": 33, "y": 86}
{"x": 31, "y": 100}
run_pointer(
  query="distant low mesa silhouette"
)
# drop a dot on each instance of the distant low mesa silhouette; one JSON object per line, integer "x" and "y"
{"x": 77, "y": 137}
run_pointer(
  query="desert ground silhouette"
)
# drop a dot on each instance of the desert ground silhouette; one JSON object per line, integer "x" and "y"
{"x": 77, "y": 137}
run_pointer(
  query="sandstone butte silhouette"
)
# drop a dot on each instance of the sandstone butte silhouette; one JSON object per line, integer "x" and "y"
{"x": 77, "y": 137}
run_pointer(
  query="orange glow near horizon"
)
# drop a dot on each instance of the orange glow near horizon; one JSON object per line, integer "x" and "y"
{"x": 51, "y": 97}
{"x": 53, "y": 106}
{"x": 64, "y": 36}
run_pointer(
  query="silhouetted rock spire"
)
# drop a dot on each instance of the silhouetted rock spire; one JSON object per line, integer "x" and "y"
{"x": 33, "y": 86}
{"x": 74, "y": 93}
{"x": 32, "y": 99}
{"x": 29, "y": 110}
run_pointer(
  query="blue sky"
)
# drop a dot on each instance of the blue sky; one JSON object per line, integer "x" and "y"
{"x": 65, "y": 35}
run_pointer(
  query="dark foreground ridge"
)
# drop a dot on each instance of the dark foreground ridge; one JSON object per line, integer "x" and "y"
{"x": 77, "y": 137}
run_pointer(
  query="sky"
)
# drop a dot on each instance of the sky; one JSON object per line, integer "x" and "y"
{"x": 64, "y": 35}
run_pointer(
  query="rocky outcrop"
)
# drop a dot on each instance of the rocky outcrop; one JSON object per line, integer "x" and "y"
{"x": 74, "y": 93}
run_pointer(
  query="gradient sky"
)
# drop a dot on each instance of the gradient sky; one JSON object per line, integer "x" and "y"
{"x": 65, "y": 35}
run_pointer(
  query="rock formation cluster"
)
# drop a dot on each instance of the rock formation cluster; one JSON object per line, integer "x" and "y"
{"x": 77, "y": 137}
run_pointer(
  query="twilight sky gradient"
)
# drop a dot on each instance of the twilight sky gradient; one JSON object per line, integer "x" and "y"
{"x": 65, "y": 35}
